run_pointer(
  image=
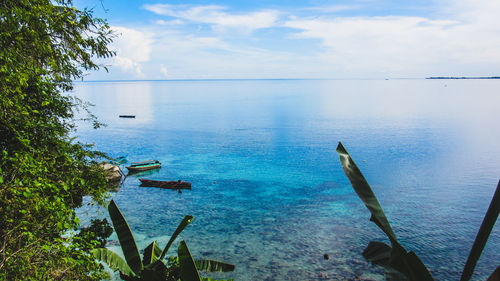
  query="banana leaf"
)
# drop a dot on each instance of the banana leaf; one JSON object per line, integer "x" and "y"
{"x": 393, "y": 275}
{"x": 184, "y": 223}
{"x": 188, "y": 269}
{"x": 113, "y": 260}
{"x": 126, "y": 238}
{"x": 405, "y": 262}
{"x": 365, "y": 193}
{"x": 495, "y": 276}
{"x": 482, "y": 236}
{"x": 151, "y": 253}
{"x": 213, "y": 266}
{"x": 378, "y": 253}
{"x": 156, "y": 271}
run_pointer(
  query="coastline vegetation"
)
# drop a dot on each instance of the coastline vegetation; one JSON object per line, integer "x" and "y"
{"x": 463, "y": 77}
{"x": 44, "y": 172}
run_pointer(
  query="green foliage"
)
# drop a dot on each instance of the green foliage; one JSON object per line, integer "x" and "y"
{"x": 126, "y": 238}
{"x": 187, "y": 266}
{"x": 152, "y": 267}
{"x": 44, "y": 173}
{"x": 482, "y": 236}
{"x": 184, "y": 223}
{"x": 213, "y": 266}
{"x": 151, "y": 253}
{"x": 395, "y": 257}
{"x": 113, "y": 260}
{"x": 99, "y": 231}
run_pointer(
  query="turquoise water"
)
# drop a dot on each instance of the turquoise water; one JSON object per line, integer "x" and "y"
{"x": 269, "y": 194}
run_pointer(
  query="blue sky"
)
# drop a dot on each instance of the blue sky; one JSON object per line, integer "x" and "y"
{"x": 300, "y": 39}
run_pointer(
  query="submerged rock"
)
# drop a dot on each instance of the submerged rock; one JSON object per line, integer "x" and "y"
{"x": 323, "y": 275}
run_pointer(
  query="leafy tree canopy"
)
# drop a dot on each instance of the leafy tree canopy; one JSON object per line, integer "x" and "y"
{"x": 44, "y": 46}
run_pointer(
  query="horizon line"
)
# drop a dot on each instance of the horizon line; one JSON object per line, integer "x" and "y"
{"x": 236, "y": 79}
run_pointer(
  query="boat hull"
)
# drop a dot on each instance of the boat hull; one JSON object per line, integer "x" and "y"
{"x": 166, "y": 184}
{"x": 143, "y": 167}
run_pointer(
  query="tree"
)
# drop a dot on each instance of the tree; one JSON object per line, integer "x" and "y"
{"x": 44, "y": 173}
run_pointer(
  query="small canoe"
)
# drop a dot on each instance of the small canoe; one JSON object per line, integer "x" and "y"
{"x": 144, "y": 166}
{"x": 166, "y": 184}
{"x": 144, "y": 163}
{"x": 127, "y": 116}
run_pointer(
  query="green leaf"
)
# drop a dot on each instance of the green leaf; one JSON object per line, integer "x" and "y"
{"x": 482, "y": 236}
{"x": 393, "y": 275}
{"x": 378, "y": 253}
{"x": 495, "y": 276}
{"x": 411, "y": 266}
{"x": 184, "y": 223}
{"x": 156, "y": 272}
{"x": 405, "y": 262}
{"x": 125, "y": 237}
{"x": 365, "y": 193}
{"x": 213, "y": 266}
{"x": 113, "y": 260}
{"x": 188, "y": 269}
{"x": 151, "y": 253}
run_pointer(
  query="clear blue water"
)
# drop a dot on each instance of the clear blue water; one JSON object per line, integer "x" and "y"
{"x": 269, "y": 194}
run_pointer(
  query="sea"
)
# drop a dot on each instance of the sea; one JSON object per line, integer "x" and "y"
{"x": 268, "y": 192}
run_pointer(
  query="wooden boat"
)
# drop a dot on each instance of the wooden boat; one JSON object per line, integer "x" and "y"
{"x": 166, "y": 184}
{"x": 144, "y": 166}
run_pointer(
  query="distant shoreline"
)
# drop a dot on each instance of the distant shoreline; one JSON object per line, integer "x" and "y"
{"x": 270, "y": 79}
{"x": 491, "y": 77}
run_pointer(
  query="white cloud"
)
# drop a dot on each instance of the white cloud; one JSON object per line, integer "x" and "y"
{"x": 185, "y": 56}
{"x": 461, "y": 37}
{"x": 170, "y": 22}
{"x": 333, "y": 8}
{"x": 133, "y": 48}
{"x": 217, "y": 16}
{"x": 409, "y": 46}
{"x": 164, "y": 71}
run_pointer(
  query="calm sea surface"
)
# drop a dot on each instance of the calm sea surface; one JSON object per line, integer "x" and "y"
{"x": 269, "y": 193}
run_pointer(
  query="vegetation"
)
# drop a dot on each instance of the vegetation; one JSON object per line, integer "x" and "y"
{"x": 395, "y": 257}
{"x": 44, "y": 173}
{"x": 151, "y": 267}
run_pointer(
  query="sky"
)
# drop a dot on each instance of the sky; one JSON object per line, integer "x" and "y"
{"x": 285, "y": 39}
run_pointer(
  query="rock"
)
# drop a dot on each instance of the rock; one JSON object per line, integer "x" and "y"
{"x": 323, "y": 275}
{"x": 253, "y": 259}
{"x": 112, "y": 172}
